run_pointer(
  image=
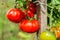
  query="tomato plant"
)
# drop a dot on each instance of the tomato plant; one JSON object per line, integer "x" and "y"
{"x": 29, "y": 26}
{"x": 54, "y": 16}
{"x": 15, "y": 15}
{"x": 53, "y": 13}
{"x": 24, "y": 10}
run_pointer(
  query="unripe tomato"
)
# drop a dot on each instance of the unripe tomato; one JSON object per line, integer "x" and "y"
{"x": 15, "y": 15}
{"x": 47, "y": 36}
{"x": 30, "y": 26}
{"x": 53, "y": 29}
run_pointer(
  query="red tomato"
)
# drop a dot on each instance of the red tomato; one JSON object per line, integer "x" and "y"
{"x": 30, "y": 13}
{"x": 15, "y": 15}
{"x": 33, "y": 9}
{"x": 32, "y": 4}
{"x": 30, "y": 26}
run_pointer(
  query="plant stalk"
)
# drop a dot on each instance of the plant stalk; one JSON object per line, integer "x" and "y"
{"x": 51, "y": 13}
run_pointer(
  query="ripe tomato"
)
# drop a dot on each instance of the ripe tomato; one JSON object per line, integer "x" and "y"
{"x": 32, "y": 4}
{"x": 58, "y": 34}
{"x": 47, "y": 36}
{"x": 59, "y": 28}
{"x": 30, "y": 26}
{"x": 15, "y": 15}
{"x": 30, "y": 13}
{"x": 33, "y": 9}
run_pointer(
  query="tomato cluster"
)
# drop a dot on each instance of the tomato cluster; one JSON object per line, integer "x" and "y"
{"x": 31, "y": 10}
{"x": 17, "y": 15}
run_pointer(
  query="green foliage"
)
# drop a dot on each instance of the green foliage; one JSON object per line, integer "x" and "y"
{"x": 54, "y": 17}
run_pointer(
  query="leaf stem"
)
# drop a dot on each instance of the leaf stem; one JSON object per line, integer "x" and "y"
{"x": 51, "y": 13}
{"x": 15, "y": 4}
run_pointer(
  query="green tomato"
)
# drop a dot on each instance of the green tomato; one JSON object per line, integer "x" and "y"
{"x": 47, "y": 36}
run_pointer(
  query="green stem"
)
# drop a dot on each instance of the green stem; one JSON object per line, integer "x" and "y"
{"x": 51, "y": 13}
{"x": 15, "y": 4}
{"x": 15, "y": 0}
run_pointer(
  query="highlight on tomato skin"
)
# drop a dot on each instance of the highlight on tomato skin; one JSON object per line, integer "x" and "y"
{"x": 30, "y": 26}
{"x": 15, "y": 15}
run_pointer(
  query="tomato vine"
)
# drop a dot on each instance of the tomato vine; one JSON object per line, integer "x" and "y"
{"x": 54, "y": 12}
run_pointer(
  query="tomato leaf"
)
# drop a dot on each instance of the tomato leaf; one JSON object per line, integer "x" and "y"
{"x": 55, "y": 2}
{"x": 21, "y": 4}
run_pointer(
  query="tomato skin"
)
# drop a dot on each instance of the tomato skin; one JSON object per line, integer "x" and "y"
{"x": 32, "y": 4}
{"x": 58, "y": 34}
{"x": 30, "y": 26}
{"x": 33, "y": 9}
{"x": 15, "y": 15}
{"x": 30, "y": 13}
{"x": 46, "y": 35}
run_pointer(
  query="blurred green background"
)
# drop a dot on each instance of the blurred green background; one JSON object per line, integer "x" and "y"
{"x": 9, "y": 30}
